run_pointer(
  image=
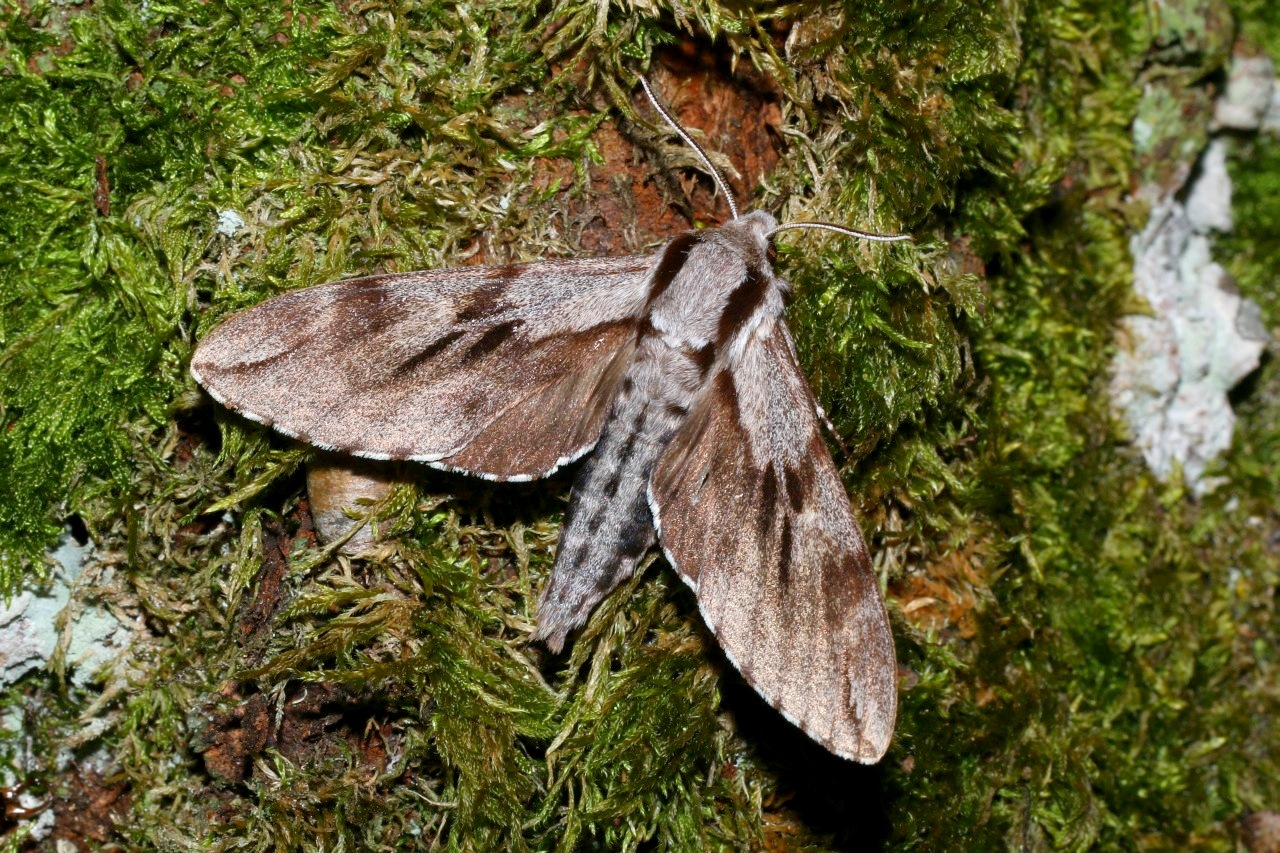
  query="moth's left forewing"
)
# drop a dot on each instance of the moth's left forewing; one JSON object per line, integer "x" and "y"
{"x": 502, "y": 372}
{"x": 752, "y": 514}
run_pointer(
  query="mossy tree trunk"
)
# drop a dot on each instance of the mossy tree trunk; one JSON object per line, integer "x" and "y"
{"x": 1087, "y": 655}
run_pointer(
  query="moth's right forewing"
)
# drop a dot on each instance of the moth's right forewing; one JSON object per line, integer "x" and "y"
{"x": 752, "y": 514}
{"x": 503, "y": 372}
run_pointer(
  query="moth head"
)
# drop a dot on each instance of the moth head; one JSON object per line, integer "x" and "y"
{"x": 754, "y": 229}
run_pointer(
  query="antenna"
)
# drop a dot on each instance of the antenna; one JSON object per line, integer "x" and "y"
{"x": 697, "y": 149}
{"x": 841, "y": 229}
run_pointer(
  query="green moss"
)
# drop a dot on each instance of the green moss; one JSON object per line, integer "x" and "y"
{"x": 97, "y": 261}
{"x": 1087, "y": 654}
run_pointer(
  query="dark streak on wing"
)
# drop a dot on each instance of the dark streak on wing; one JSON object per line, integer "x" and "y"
{"x": 846, "y": 694}
{"x": 493, "y": 338}
{"x": 673, "y": 260}
{"x": 506, "y": 273}
{"x": 742, "y": 303}
{"x": 816, "y": 444}
{"x": 369, "y": 302}
{"x": 726, "y": 388}
{"x": 256, "y": 364}
{"x": 768, "y": 499}
{"x": 488, "y": 300}
{"x": 429, "y": 352}
{"x": 692, "y": 431}
{"x": 835, "y": 584}
{"x": 371, "y": 292}
{"x": 558, "y": 403}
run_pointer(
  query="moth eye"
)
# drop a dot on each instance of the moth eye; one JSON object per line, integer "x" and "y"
{"x": 771, "y": 253}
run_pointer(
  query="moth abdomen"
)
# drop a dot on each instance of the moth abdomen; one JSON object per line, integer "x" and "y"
{"x": 610, "y": 526}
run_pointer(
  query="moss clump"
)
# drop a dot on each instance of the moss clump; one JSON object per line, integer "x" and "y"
{"x": 1081, "y": 646}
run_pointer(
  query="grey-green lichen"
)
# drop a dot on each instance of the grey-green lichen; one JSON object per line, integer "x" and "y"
{"x": 1087, "y": 657}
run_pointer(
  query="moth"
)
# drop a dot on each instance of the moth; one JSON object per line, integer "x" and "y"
{"x": 673, "y": 373}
